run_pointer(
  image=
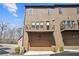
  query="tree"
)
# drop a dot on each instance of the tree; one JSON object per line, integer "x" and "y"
{"x": 3, "y": 27}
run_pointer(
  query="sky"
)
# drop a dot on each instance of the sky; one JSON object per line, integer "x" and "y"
{"x": 13, "y": 13}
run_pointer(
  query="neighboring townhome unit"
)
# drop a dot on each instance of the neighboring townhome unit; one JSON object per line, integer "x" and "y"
{"x": 48, "y": 26}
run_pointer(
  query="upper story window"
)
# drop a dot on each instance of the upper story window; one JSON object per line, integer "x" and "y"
{"x": 30, "y": 11}
{"x": 72, "y": 22}
{"x": 64, "y": 22}
{"x": 49, "y": 11}
{"x": 60, "y": 11}
{"x": 77, "y": 10}
{"x": 47, "y": 23}
{"x": 78, "y": 21}
{"x": 33, "y": 24}
{"x": 68, "y": 22}
{"x": 37, "y": 25}
{"x": 41, "y": 25}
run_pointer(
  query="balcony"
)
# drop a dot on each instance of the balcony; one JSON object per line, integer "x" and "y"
{"x": 69, "y": 27}
{"x": 45, "y": 28}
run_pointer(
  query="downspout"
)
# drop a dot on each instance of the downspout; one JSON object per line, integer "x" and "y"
{"x": 24, "y": 26}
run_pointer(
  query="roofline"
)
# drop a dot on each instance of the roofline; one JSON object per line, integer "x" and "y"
{"x": 52, "y": 6}
{"x": 20, "y": 37}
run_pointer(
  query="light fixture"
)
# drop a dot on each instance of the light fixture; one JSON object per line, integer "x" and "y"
{"x": 74, "y": 36}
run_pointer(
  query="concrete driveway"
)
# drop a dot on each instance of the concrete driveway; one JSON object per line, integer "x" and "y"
{"x": 67, "y": 52}
{"x": 38, "y": 53}
{"x": 7, "y": 49}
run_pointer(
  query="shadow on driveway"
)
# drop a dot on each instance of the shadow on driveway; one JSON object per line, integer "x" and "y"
{"x": 66, "y": 53}
{"x": 1, "y": 46}
{"x": 3, "y": 51}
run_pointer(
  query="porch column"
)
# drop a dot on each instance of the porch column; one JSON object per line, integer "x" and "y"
{"x": 58, "y": 36}
{"x": 58, "y": 39}
{"x": 26, "y": 39}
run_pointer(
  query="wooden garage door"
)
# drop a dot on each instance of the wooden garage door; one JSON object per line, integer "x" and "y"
{"x": 41, "y": 41}
{"x": 71, "y": 38}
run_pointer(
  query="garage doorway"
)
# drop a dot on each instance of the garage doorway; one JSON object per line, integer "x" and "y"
{"x": 41, "y": 41}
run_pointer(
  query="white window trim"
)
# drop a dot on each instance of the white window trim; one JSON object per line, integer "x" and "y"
{"x": 37, "y": 23}
{"x": 41, "y": 23}
{"x": 33, "y": 23}
{"x": 47, "y": 23}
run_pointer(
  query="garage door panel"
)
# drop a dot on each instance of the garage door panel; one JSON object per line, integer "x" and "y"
{"x": 41, "y": 41}
{"x": 70, "y": 38}
{"x": 40, "y": 48}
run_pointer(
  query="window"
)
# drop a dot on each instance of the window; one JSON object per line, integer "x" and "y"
{"x": 47, "y": 25}
{"x": 78, "y": 21}
{"x": 60, "y": 11}
{"x": 68, "y": 22}
{"x": 41, "y": 25}
{"x": 72, "y": 22}
{"x": 77, "y": 10}
{"x": 49, "y": 11}
{"x": 33, "y": 24}
{"x": 30, "y": 11}
{"x": 37, "y": 25}
{"x": 64, "y": 22}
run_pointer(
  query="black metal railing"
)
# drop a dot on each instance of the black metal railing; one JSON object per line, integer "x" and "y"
{"x": 29, "y": 27}
{"x": 69, "y": 27}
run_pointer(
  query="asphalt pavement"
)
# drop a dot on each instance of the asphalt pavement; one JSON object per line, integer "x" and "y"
{"x": 7, "y": 49}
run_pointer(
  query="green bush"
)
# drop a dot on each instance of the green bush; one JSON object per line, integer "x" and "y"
{"x": 17, "y": 50}
{"x": 55, "y": 49}
{"x": 61, "y": 49}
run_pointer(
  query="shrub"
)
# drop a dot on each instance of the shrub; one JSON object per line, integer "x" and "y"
{"x": 55, "y": 49}
{"x": 17, "y": 50}
{"x": 61, "y": 49}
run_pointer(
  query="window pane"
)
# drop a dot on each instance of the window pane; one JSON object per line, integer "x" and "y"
{"x": 72, "y": 21}
{"x": 49, "y": 10}
{"x": 37, "y": 25}
{"x": 77, "y": 10}
{"x": 60, "y": 11}
{"x": 33, "y": 25}
{"x": 78, "y": 21}
{"x": 68, "y": 22}
{"x": 47, "y": 23}
{"x": 30, "y": 11}
{"x": 41, "y": 25}
{"x": 64, "y": 22}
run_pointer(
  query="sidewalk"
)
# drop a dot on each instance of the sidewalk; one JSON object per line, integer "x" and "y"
{"x": 48, "y": 53}
{"x": 72, "y": 50}
{"x": 39, "y": 53}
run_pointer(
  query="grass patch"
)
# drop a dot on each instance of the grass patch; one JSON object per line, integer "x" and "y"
{"x": 17, "y": 50}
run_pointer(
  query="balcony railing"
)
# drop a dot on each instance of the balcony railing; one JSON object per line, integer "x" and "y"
{"x": 44, "y": 28}
{"x": 69, "y": 27}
